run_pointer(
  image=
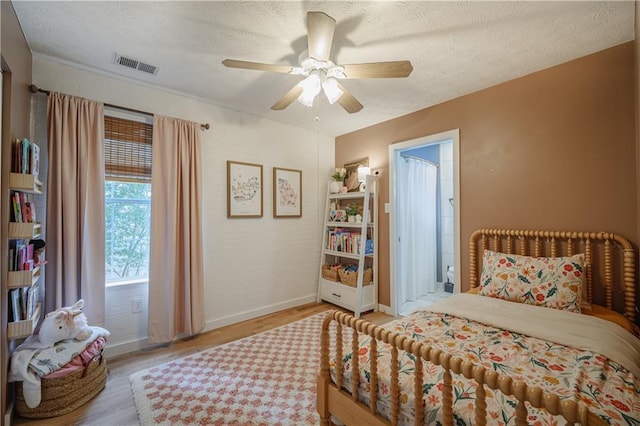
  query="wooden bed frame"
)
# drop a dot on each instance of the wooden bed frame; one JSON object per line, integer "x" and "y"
{"x": 609, "y": 268}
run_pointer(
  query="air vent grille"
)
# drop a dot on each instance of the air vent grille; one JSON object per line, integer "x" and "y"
{"x": 136, "y": 64}
{"x": 151, "y": 69}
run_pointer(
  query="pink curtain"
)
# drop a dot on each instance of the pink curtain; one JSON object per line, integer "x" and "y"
{"x": 176, "y": 303}
{"x": 75, "y": 205}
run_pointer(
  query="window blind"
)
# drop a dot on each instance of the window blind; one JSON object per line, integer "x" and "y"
{"x": 127, "y": 150}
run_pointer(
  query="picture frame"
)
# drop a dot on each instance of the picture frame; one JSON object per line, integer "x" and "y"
{"x": 287, "y": 193}
{"x": 351, "y": 181}
{"x": 244, "y": 190}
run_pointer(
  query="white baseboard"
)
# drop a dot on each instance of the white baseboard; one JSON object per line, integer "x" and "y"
{"x": 265, "y": 310}
{"x": 141, "y": 344}
{"x": 124, "y": 348}
{"x": 385, "y": 309}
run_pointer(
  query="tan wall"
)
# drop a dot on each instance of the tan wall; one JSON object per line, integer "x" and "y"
{"x": 637, "y": 93}
{"x": 551, "y": 150}
{"x": 16, "y": 57}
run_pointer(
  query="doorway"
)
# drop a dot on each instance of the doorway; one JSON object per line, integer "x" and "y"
{"x": 424, "y": 221}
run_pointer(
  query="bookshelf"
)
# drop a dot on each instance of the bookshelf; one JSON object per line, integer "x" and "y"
{"x": 24, "y": 269}
{"x": 350, "y": 246}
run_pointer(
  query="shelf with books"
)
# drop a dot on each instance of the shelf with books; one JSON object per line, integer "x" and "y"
{"x": 19, "y": 279}
{"x": 25, "y": 157}
{"x": 24, "y": 328}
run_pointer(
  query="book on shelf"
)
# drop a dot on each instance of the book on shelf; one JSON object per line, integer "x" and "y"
{"x": 23, "y": 208}
{"x": 344, "y": 240}
{"x": 14, "y": 299}
{"x": 24, "y": 294}
{"x": 22, "y": 302}
{"x": 11, "y": 263}
{"x": 21, "y": 256}
{"x": 17, "y": 208}
{"x": 35, "y": 160}
{"x": 32, "y": 295}
{"x": 26, "y": 157}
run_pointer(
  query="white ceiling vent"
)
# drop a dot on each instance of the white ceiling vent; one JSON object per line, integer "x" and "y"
{"x": 136, "y": 64}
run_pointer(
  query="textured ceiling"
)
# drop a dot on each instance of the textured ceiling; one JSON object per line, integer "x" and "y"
{"x": 455, "y": 47}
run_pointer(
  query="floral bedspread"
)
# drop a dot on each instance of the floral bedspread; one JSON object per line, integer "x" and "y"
{"x": 608, "y": 389}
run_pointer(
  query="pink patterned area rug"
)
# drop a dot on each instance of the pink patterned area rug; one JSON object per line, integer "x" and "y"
{"x": 266, "y": 379}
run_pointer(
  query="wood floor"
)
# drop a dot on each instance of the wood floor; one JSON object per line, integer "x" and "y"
{"x": 114, "y": 405}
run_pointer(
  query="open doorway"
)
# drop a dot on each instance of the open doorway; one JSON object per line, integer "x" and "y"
{"x": 424, "y": 221}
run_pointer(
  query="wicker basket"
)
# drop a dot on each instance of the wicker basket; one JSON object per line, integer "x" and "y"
{"x": 351, "y": 278}
{"x": 330, "y": 272}
{"x": 64, "y": 394}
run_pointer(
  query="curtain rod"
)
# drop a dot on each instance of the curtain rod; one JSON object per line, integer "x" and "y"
{"x": 406, "y": 156}
{"x": 35, "y": 89}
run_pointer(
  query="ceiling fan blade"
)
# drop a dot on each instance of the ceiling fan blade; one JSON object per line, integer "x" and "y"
{"x": 287, "y": 99}
{"x": 392, "y": 69}
{"x": 320, "y": 27}
{"x": 347, "y": 101}
{"x": 233, "y": 63}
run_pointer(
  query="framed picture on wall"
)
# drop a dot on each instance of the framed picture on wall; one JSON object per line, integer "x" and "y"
{"x": 287, "y": 192}
{"x": 244, "y": 190}
{"x": 351, "y": 181}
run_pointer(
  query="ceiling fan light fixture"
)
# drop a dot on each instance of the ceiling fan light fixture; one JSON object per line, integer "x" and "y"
{"x": 331, "y": 90}
{"x": 310, "y": 89}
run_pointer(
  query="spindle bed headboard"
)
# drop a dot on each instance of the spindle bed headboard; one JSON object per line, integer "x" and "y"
{"x": 609, "y": 260}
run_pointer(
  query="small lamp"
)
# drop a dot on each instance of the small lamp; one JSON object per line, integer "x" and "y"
{"x": 363, "y": 172}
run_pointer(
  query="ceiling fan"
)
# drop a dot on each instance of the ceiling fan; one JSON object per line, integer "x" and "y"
{"x": 321, "y": 72}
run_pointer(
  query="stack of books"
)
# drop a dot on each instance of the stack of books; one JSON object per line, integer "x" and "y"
{"x": 26, "y": 157}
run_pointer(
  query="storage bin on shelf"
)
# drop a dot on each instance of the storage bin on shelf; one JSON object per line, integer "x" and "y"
{"x": 350, "y": 278}
{"x": 330, "y": 272}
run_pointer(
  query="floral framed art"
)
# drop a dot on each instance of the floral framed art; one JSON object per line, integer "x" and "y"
{"x": 244, "y": 190}
{"x": 287, "y": 193}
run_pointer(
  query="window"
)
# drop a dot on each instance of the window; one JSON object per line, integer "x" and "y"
{"x": 127, "y": 200}
{"x": 127, "y": 211}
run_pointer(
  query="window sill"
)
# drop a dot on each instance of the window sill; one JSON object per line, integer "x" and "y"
{"x": 128, "y": 282}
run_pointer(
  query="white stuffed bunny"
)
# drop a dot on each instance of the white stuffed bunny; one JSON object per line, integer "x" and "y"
{"x": 64, "y": 323}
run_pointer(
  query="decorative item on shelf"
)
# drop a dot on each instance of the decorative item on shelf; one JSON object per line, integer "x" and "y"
{"x": 363, "y": 172}
{"x": 352, "y": 210}
{"x": 351, "y": 182}
{"x": 337, "y": 180}
{"x": 337, "y": 216}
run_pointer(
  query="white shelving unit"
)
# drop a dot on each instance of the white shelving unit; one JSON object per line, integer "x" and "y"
{"x": 362, "y": 296}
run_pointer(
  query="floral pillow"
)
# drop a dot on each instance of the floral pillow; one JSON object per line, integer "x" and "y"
{"x": 552, "y": 282}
